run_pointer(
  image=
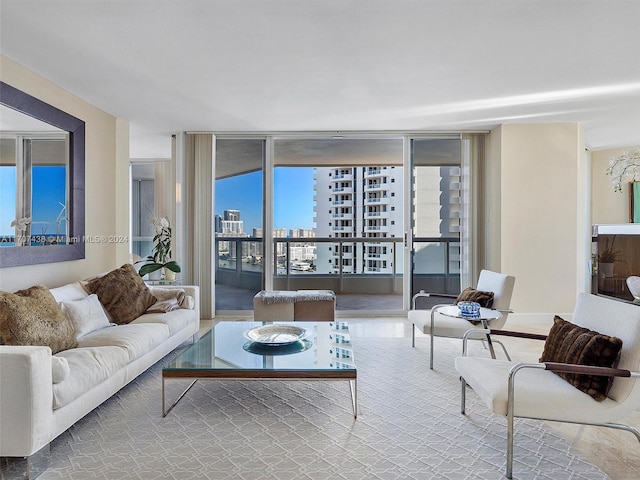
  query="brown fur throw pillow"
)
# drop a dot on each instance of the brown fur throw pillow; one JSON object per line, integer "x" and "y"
{"x": 569, "y": 343}
{"x": 485, "y": 299}
{"x": 33, "y": 317}
{"x": 123, "y": 293}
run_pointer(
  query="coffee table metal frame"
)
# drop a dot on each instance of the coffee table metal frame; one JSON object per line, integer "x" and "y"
{"x": 258, "y": 374}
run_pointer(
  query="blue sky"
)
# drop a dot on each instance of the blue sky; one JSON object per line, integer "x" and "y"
{"x": 293, "y": 198}
{"x": 49, "y": 183}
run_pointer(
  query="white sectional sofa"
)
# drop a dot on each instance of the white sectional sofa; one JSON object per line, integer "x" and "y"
{"x": 42, "y": 395}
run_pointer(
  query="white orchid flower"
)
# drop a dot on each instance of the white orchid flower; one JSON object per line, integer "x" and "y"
{"x": 21, "y": 223}
{"x": 623, "y": 168}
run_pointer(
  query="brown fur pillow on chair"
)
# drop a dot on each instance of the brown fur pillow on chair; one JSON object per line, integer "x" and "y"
{"x": 485, "y": 299}
{"x": 569, "y": 343}
{"x": 123, "y": 293}
{"x": 33, "y": 317}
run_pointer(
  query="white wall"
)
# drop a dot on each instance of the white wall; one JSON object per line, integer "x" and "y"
{"x": 542, "y": 228}
{"x": 106, "y": 183}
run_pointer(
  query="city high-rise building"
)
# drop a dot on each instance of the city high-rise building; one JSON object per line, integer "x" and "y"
{"x": 367, "y": 202}
{"x": 231, "y": 223}
{"x": 302, "y": 232}
{"x": 361, "y": 202}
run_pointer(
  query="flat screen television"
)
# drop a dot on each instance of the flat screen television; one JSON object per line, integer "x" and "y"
{"x": 618, "y": 254}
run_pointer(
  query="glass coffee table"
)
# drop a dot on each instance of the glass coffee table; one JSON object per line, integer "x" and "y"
{"x": 317, "y": 351}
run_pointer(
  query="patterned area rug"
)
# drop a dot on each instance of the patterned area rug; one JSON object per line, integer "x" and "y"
{"x": 409, "y": 427}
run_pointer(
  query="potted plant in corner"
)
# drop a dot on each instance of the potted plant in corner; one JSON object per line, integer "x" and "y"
{"x": 607, "y": 258}
{"x": 160, "y": 260}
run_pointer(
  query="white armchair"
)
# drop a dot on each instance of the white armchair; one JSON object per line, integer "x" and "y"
{"x": 533, "y": 390}
{"x": 434, "y": 324}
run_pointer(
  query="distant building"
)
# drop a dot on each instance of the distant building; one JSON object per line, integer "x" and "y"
{"x": 231, "y": 223}
{"x": 302, "y": 232}
{"x": 367, "y": 202}
{"x": 361, "y": 202}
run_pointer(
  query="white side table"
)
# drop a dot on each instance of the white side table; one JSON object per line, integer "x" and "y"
{"x": 484, "y": 316}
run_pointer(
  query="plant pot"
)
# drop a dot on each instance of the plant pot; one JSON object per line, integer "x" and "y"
{"x": 606, "y": 269}
{"x": 169, "y": 274}
{"x": 156, "y": 274}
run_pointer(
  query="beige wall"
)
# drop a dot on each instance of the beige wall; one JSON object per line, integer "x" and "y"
{"x": 607, "y": 206}
{"x": 107, "y": 179}
{"x": 543, "y": 227}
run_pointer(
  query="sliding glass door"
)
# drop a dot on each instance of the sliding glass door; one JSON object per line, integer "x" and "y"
{"x": 238, "y": 219}
{"x": 320, "y": 212}
{"x": 436, "y": 170}
{"x": 338, "y": 219}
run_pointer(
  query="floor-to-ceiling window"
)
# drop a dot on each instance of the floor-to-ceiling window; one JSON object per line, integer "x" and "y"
{"x": 338, "y": 218}
{"x": 238, "y": 222}
{"x": 328, "y": 212}
{"x": 436, "y": 214}
{"x": 152, "y": 195}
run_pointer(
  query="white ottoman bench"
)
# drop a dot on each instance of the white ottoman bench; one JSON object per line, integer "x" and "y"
{"x": 287, "y": 305}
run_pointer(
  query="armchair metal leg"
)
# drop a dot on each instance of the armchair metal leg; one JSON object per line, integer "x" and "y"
{"x": 413, "y": 334}
{"x": 463, "y": 396}
{"x": 433, "y": 311}
{"x": 626, "y": 428}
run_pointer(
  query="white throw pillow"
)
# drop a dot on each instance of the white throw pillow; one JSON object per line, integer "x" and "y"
{"x": 86, "y": 315}
{"x": 69, "y": 292}
{"x": 59, "y": 368}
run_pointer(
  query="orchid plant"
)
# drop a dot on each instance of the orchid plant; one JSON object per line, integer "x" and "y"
{"x": 21, "y": 224}
{"x": 623, "y": 168}
{"x": 161, "y": 254}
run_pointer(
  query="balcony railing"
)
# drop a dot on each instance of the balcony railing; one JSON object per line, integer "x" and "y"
{"x": 440, "y": 273}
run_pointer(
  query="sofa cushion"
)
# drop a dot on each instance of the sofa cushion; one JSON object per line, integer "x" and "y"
{"x": 86, "y": 315}
{"x": 469, "y": 294}
{"x": 570, "y": 343}
{"x": 88, "y": 366}
{"x": 123, "y": 293}
{"x": 33, "y": 317}
{"x": 59, "y": 369}
{"x": 175, "y": 320}
{"x": 134, "y": 339}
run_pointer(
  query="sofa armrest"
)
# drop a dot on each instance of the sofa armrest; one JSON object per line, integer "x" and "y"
{"x": 26, "y": 399}
{"x": 194, "y": 291}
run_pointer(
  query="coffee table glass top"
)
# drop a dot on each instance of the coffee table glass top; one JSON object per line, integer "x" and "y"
{"x": 325, "y": 347}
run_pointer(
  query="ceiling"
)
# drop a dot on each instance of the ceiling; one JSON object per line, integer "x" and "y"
{"x": 337, "y": 65}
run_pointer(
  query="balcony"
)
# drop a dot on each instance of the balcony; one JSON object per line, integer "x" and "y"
{"x": 238, "y": 282}
{"x": 376, "y": 200}
{"x": 342, "y": 177}
{"x": 373, "y": 172}
{"x": 376, "y": 215}
{"x": 337, "y": 189}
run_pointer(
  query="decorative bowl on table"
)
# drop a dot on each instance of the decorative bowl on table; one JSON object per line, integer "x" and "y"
{"x": 469, "y": 309}
{"x": 276, "y": 335}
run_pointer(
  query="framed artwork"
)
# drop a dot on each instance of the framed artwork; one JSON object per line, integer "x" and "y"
{"x": 634, "y": 203}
